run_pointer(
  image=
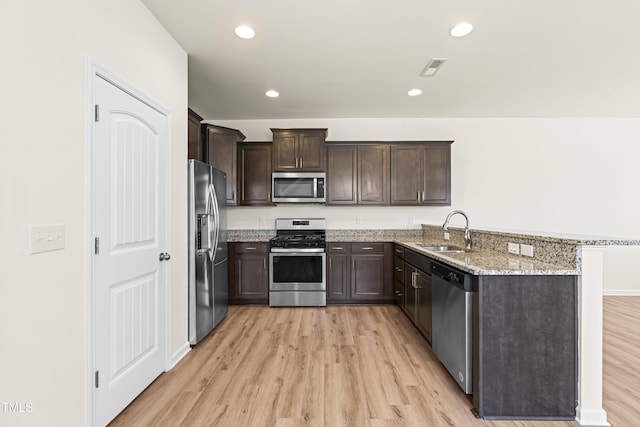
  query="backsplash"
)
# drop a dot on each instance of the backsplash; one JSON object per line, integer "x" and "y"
{"x": 377, "y": 235}
{"x": 558, "y": 251}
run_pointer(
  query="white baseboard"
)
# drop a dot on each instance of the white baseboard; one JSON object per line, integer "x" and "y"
{"x": 178, "y": 355}
{"x": 621, "y": 292}
{"x": 591, "y": 417}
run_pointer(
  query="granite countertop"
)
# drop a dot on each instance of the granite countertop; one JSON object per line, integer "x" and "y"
{"x": 558, "y": 254}
{"x": 492, "y": 263}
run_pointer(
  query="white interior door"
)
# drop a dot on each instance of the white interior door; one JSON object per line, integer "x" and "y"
{"x": 130, "y": 145}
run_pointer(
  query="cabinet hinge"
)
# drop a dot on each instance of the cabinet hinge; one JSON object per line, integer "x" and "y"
{"x": 97, "y": 380}
{"x": 96, "y": 113}
{"x": 96, "y": 245}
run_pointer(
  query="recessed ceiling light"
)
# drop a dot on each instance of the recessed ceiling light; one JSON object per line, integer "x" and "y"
{"x": 461, "y": 30}
{"x": 414, "y": 92}
{"x": 272, "y": 93}
{"x": 245, "y": 32}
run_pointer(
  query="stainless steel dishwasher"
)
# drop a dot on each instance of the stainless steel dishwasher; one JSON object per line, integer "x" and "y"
{"x": 452, "y": 339}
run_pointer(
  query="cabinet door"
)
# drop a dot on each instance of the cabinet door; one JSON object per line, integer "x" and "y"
{"x": 436, "y": 163}
{"x": 222, "y": 148}
{"x": 373, "y": 175}
{"x": 252, "y": 280}
{"x": 410, "y": 291}
{"x": 338, "y": 272}
{"x": 285, "y": 151}
{"x": 195, "y": 146}
{"x": 423, "y": 314}
{"x": 311, "y": 151}
{"x": 251, "y": 272}
{"x": 367, "y": 276}
{"x": 406, "y": 177}
{"x": 341, "y": 175}
{"x": 255, "y": 174}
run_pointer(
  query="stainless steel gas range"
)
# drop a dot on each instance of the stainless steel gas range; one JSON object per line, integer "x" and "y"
{"x": 297, "y": 256}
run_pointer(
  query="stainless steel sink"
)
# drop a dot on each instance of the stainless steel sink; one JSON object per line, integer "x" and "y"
{"x": 434, "y": 248}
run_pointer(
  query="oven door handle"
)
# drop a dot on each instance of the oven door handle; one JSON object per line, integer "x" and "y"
{"x": 292, "y": 251}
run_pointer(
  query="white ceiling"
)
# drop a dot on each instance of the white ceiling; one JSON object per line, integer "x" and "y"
{"x": 358, "y": 58}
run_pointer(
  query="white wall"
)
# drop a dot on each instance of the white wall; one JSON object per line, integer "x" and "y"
{"x": 568, "y": 175}
{"x": 42, "y": 297}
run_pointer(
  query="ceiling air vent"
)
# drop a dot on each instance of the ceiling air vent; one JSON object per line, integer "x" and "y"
{"x": 432, "y": 67}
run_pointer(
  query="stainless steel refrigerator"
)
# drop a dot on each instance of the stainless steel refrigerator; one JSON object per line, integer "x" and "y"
{"x": 208, "y": 265}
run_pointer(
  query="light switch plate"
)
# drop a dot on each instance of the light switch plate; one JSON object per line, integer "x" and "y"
{"x": 45, "y": 238}
{"x": 446, "y": 235}
{"x": 526, "y": 250}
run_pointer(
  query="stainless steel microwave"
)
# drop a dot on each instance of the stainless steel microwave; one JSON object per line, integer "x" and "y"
{"x": 297, "y": 187}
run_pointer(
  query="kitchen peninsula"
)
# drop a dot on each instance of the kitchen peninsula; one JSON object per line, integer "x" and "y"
{"x": 574, "y": 260}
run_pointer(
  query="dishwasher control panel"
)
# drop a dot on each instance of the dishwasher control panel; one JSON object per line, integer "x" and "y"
{"x": 458, "y": 278}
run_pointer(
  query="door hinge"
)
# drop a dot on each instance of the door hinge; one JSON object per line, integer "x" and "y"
{"x": 96, "y": 245}
{"x": 97, "y": 381}
{"x": 96, "y": 113}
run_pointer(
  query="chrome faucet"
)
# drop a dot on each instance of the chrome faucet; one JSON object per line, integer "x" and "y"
{"x": 467, "y": 231}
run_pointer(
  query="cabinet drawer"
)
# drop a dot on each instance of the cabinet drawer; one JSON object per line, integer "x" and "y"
{"x": 252, "y": 247}
{"x": 398, "y": 293}
{"x": 398, "y": 269}
{"x": 337, "y": 247}
{"x": 367, "y": 248}
{"x": 398, "y": 250}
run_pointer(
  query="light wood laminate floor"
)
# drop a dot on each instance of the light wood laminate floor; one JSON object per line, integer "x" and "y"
{"x": 621, "y": 360}
{"x": 333, "y": 366}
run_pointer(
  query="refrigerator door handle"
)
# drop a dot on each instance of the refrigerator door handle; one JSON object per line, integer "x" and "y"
{"x": 216, "y": 222}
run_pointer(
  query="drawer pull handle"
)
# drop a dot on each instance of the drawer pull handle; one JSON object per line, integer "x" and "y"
{"x": 398, "y": 269}
{"x": 398, "y": 251}
{"x": 367, "y": 248}
{"x": 251, "y": 248}
{"x": 338, "y": 248}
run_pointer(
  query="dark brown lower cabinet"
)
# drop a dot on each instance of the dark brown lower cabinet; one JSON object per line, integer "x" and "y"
{"x": 359, "y": 272}
{"x": 412, "y": 271}
{"x": 249, "y": 273}
{"x": 525, "y": 352}
{"x": 367, "y": 271}
{"x": 338, "y": 272}
{"x": 423, "y": 303}
{"x": 399, "y": 289}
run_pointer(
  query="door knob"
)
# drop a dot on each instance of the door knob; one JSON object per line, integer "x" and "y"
{"x": 165, "y": 256}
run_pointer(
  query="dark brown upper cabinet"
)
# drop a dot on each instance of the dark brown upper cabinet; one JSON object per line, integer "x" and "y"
{"x": 373, "y": 175}
{"x": 221, "y": 148}
{"x": 296, "y": 150}
{"x": 358, "y": 174}
{"x": 342, "y": 176}
{"x": 195, "y": 146}
{"x": 255, "y": 174}
{"x": 421, "y": 173}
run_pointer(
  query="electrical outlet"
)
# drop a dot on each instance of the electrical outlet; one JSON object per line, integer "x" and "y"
{"x": 260, "y": 220}
{"x": 526, "y": 250}
{"x": 358, "y": 220}
{"x": 446, "y": 235}
{"x": 513, "y": 248}
{"x": 45, "y": 238}
{"x": 410, "y": 220}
